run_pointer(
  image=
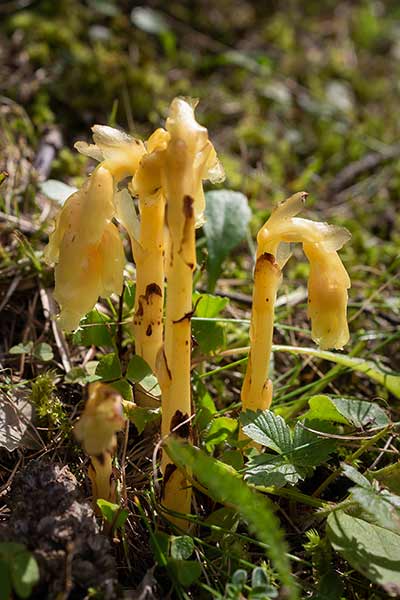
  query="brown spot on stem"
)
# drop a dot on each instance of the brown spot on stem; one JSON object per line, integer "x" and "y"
{"x": 187, "y": 316}
{"x": 266, "y": 259}
{"x": 149, "y": 330}
{"x": 101, "y": 458}
{"x": 139, "y": 312}
{"x": 169, "y": 470}
{"x": 166, "y": 365}
{"x": 152, "y": 288}
{"x": 188, "y": 207}
{"x": 180, "y": 424}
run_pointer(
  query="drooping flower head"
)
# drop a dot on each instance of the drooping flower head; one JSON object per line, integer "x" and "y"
{"x": 86, "y": 249}
{"x": 191, "y": 138}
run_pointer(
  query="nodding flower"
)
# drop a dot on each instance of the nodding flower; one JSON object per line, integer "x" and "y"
{"x": 185, "y": 130}
{"x": 86, "y": 249}
{"x": 327, "y": 296}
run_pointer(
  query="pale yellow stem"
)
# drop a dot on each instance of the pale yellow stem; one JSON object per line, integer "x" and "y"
{"x": 174, "y": 372}
{"x": 101, "y": 476}
{"x": 257, "y": 387}
{"x": 148, "y": 253}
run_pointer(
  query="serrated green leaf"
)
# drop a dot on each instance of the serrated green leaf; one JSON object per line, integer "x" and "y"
{"x": 109, "y": 367}
{"x": 225, "y": 485}
{"x": 266, "y": 470}
{"x": 267, "y": 429}
{"x": 371, "y": 550}
{"x": 359, "y": 413}
{"x": 181, "y": 546}
{"x": 381, "y": 507}
{"x": 220, "y": 430}
{"x": 227, "y": 218}
{"x": 309, "y": 450}
{"x": 43, "y": 352}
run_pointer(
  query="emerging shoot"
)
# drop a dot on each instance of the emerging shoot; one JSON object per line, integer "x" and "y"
{"x": 95, "y": 430}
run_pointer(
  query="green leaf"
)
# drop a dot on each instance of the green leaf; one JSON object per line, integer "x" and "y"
{"x": 351, "y": 411}
{"x": 124, "y": 388}
{"x": 181, "y": 546}
{"x": 57, "y": 190}
{"x": 22, "y": 348}
{"x": 354, "y": 475}
{"x": 389, "y": 476}
{"x": 267, "y": 429}
{"x": 141, "y": 416}
{"x": 139, "y": 372}
{"x": 225, "y": 485}
{"x": 371, "y": 550}
{"x": 24, "y": 573}
{"x": 266, "y": 470}
{"x": 109, "y": 367}
{"x": 209, "y": 335}
{"x": 138, "y": 369}
{"x": 94, "y": 330}
{"x": 381, "y": 507}
{"x": 208, "y": 305}
{"x": 221, "y": 429}
{"x": 205, "y": 406}
{"x": 323, "y": 409}
{"x": 113, "y": 513}
{"x": 43, "y": 352}
{"x": 309, "y": 450}
{"x": 81, "y": 376}
{"x": 227, "y": 218}
{"x": 185, "y": 571}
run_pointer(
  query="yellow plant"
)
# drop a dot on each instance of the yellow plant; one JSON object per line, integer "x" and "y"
{"x": 327, "y": 290}
{"x": 95, "y": 430}
{"x": 189, "y": 158}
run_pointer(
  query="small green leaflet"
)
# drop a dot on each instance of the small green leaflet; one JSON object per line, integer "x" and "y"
{"x": 113, "y": 513}
{"x": 227, "y": 218}
{"x": 372, "y": 550}
{"x": 209, "y": 334}
{"x": 379, "y": 506}
{"x": 349, "y": 411}
{"x": 297, "y": 452}
{"x": 225, "y": 485}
